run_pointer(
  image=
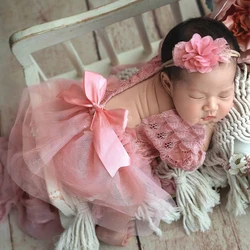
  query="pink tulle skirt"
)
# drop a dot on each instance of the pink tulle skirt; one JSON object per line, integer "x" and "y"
{"x": 52, "y": 133}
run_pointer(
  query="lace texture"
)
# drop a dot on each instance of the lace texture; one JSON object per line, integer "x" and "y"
{"x": 175, "y": 141}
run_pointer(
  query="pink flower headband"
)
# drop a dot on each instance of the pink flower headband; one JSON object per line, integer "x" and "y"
{"x": 201, "y": 54}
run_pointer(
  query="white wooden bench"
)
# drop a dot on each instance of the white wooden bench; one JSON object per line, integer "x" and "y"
{"x": 26, "y": 42}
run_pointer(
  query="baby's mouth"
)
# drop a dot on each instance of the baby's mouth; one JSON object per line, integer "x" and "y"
{"x": 208, "y": 118}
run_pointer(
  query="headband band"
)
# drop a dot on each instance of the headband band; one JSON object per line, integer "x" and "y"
{"x": 201, "y": 54}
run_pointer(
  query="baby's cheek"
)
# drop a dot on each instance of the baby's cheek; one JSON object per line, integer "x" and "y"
{"x": 225, "y": 110}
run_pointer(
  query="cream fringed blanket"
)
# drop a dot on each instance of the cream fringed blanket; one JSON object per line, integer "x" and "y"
{"x": 227, "y": 163}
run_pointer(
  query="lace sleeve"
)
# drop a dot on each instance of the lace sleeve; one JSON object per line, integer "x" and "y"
{"x": 178, "y": 143}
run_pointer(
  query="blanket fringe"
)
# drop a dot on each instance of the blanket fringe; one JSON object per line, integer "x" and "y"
{"x": 194, "y": 196}
{"x": 215, "y": 175}
{"x": 239, "y": 194}
{"x": 80, "y": 234}
{"x": 156, "y": 207}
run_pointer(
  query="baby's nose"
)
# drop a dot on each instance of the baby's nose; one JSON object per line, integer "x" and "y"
{"x": 211, "y": 105}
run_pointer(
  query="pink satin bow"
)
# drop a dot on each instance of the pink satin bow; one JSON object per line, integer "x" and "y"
{"x": 106, "y": 143}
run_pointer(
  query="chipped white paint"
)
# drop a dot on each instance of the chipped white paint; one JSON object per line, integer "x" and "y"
{"x": 28, "y": 41}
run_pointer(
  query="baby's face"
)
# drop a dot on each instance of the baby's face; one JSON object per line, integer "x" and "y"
{"x": 205, "y": 98}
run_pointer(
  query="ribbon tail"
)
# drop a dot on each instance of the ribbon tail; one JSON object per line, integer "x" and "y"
{"x": 107, "y": 145}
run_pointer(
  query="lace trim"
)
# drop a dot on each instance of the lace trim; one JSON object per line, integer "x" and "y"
{"x": 177, "y": 143}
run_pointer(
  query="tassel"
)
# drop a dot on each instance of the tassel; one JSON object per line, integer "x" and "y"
{"x": 239, "y": 194}
{"x": 215, "y": 175}
{"x": 155, "y": 207}
{"x": 80, "y": 234}
{"x": 194, "y": 196}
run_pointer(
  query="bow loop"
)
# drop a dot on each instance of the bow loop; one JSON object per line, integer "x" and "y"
{"x": 105, "y": 123}
{"x": 94, "y": 85}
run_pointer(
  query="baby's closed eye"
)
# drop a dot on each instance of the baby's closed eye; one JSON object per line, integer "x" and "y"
{"x": 224, "y": 96}
{"x": 197, "y": 97}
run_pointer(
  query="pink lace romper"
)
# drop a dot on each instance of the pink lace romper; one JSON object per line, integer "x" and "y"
{"x": 62, "y": 125}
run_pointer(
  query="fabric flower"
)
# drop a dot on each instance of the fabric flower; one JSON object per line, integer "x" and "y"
{"x": 235, "y": 14}
{"x": 239, "y": 163}
{"x": 201, "y": 54}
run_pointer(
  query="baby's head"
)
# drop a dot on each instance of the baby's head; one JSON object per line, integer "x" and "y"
{"x": 202, "y": 85}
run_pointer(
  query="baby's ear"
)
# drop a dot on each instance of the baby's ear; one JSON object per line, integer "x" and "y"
{"x": 167, "y": 83}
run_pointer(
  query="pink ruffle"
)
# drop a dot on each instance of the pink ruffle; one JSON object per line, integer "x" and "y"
{"x": 38, "y": 218}
{"x": 9, "y": 191}
{"x": 35, "y": 217}
{"x": 173, "y": 140}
